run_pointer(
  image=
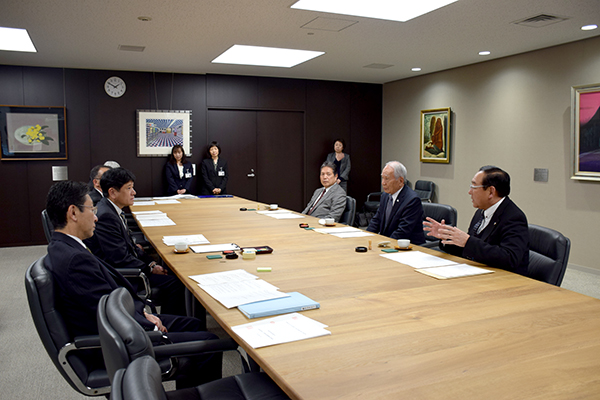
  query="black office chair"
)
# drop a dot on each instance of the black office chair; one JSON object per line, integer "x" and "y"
{"x": 548, "y": 254}
{"x": 438, "y": 212}
{"x": 141, "y": 381}
{"x": 123, "y": 339}
{"x": 425, "y": 190}
{"x": 47, "y": 224}
{"x": 350, "y": 212}
{"x": 64, "y": 352}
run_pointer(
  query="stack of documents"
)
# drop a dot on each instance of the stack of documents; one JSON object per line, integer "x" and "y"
{"x": 237, "y": 287}
{"x": 188, "y": 239}
{"x": 153, "y": 218}
{"x": 436, "y": 267}
{"x": 282, "y": 329}
{"x": 344, "y": 232}
{"x": 215, "y": 248}
{"x": 280, "y": 214}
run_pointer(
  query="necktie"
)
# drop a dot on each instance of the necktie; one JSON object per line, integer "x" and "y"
{"x": 388, "y": 210}
{"x": 122, "y": 215}
{"x": 315, "y": 203}
{"x": 478, "y": 224}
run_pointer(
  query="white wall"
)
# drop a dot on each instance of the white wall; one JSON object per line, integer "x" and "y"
{"x": 515, "y": 113}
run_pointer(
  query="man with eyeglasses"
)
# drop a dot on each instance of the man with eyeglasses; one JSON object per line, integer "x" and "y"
{"x": 498, "y": 234}
{"x": 81, "y": 279}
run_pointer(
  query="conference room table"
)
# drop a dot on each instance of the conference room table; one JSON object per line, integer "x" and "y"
{"x": 395, "y": 333}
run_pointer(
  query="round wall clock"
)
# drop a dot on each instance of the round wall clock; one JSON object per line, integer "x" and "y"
{"x": 115, "y": 86}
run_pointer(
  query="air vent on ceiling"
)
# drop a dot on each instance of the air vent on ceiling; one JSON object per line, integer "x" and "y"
{"x": 378, "y": 66}
{"x": 125, "y": 47}
{"x": 540, "y": 20}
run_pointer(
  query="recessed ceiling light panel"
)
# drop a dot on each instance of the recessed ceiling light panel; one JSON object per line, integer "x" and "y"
{"x": 484, "y": 53}
{"x": 393, "y": 10}
{"x": 589, "y": 27}
{"x": 14, "y": 39}
{"x": 416, "y": 69}
{"x": 265, "y": 56}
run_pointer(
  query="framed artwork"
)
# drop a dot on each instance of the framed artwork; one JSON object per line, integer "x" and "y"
{"x": 435, "y": 135}
{"x": 585, "y": 132}
{"x": 33, "y": 133}
{"x": 159, "y": 131}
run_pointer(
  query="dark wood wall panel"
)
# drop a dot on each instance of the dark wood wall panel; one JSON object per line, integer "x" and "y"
{"x": 101, "y": 128}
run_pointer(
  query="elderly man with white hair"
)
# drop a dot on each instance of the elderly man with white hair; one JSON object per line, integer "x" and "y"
{"x": 400, "y": 213}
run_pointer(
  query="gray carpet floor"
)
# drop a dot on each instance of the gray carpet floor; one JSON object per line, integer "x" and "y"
{"x": 26, "y": 371}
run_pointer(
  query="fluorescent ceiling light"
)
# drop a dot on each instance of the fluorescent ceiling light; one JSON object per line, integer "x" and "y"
{"x": 393, "y": 10}
{"x": 589, "y": 27}
{"x": 14, "y": 39}
{"x": 416, "y": 69}
{"x": 484, "y": 53}
{"x": 265, "y": 56}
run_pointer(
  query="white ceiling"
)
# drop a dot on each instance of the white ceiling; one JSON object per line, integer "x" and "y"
{"x": 185, "y": 35}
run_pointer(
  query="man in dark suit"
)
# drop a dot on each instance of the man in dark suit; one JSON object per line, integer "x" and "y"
{"x": 95, "y": 189}
{"x": 112, "y": 241}
{"x": 498, "y": 235}
{"x": 400, "y": 213}
{"x": 330, "y": 200}
{"x": 81, "y": 279}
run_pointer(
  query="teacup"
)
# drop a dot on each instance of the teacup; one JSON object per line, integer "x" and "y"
{"x": 182, "y": 246}
{"x": 329, "y": 221}
{"x": 273, "y": 206}
{"x": 403, "y": 243}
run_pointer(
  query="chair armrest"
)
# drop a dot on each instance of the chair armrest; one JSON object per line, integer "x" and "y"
{"x": 129, "y": 272}
{"x": 194, "y": 348}
{"x": 87, "y": 342}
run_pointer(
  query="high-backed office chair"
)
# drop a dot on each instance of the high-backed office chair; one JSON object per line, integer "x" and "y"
{"x": 350, "y": 211}
{"x": 425, "y": 190}
{"x": 548, "y": 254}
{"x": 372, "y": 203}
{"x": 64, "y": 352}
{"x": 47, "y": 224}
{"x": 123, "y": 339}
{"x": 438, "y": 212}
{"x": 141, "y": 381}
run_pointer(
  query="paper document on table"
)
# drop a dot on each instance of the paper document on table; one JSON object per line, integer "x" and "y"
{"x": 270, "y": 212}
{"x": 283, "y": 329}
{"x": 154, "y": 218}
{"x": 143, "y": 203}
{"x": 343, "y": 229}
{"x": 233, "y": 294}
{"x": 188, "y": 239}
{"x": 285, "y": 216}
{"x": 417, "y": 259}
{"x": 171, "y": 201}
{"x": 214, "y": 248}
{"x": 344, "y": 235}
{"x": 453, "y": 271}
{"x": 215, "y": 278}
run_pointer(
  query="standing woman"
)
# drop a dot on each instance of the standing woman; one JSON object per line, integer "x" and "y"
{"x": 214, "y": 172}
{"x": 341, "y": 161}
{"x": 179, "y": 172}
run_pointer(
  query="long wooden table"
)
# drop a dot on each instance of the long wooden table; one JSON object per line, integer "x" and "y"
{"x": 396, "y": 333}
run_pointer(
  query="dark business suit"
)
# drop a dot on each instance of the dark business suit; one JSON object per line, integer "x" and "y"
{"x": 331, "y": 205}
{"x": 81, "y": 279}
{"x": 211, "y": 178}
{"x": 504, "y": 243}
{"x": 175, "y": 182}
{"x": 406, "y": 219}
{"x": 95, "y": 195}
{"x": 112, "y": 243}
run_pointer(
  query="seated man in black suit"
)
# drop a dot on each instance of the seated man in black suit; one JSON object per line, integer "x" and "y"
{"x": 498, "y": 235}
{"x": 95, "y": 189}
{"x": 400, "y": 213}
{"x": 81, "y": 279}
{"x": 112, "y": 241}
{"x": 330, "y": 200}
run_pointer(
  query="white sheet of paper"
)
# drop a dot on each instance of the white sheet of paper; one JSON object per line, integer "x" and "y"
{"x": 143, "y": 203}
{"x": 189, "y": 239}
{"x": 454, "y": 271}
{"x": 417, "y": 259}
{"x": 341, "y": 229}
{"x": 215, "y": 278}
{"x": 285, "y": 216}
{"x": 344, "y": 235}
{"x": 165, "y": 221}
{"x": 172, "y": 201}
{"x": 214, "y": 248}
{"x": 138, "y": 213}
{"x": 233, "y": 294}
{"x": 268, "y": 212}
{"x": 282, "y": 329}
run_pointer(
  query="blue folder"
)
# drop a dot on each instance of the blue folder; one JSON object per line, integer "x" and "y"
{"x": 295, "y": 302}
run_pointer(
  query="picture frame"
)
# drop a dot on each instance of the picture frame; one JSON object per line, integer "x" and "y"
{"x": 585, "y": 132}
{"x": 159, "y": 130}
{"x": 33, "y": 133}
{"x": 434, "y": 146}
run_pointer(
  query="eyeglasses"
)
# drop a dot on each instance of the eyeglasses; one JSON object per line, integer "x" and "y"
{"x": 477, "y": 187}
{"x": 94, "y": 208}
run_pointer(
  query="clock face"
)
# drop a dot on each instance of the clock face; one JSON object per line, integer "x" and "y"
{"x": 114, "y": 86}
